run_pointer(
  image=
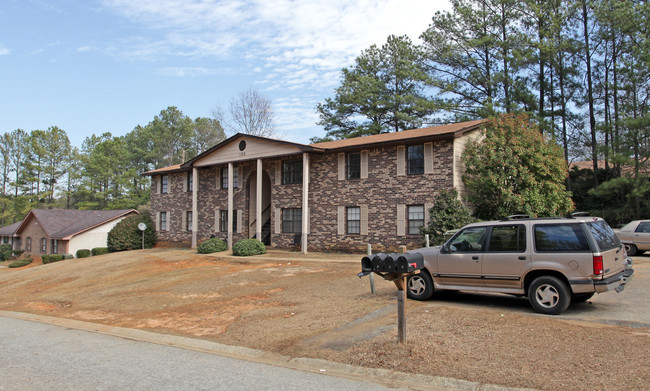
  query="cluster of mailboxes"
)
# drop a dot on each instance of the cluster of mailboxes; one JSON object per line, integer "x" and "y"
{"x": 391, "y": 263}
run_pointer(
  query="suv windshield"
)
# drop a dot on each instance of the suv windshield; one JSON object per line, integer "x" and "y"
{"x": 604, "y": 235}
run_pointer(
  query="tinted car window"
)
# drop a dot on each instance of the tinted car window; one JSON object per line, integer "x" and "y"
{"x": 605, "y": 237}
{"x": 508, "y": 238}
{"x": 644, "y": 226}
{"x": 468, "y": 240}
{"x": 560, "y": 237}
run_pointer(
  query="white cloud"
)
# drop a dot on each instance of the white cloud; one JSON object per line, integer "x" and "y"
{"x": 315, "y": 37}
{"x": 185, "y": 71}
{"x": 4, "y": 50}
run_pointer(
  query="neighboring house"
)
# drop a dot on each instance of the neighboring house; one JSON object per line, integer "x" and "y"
{"x": 63, "y": 231}
{"x": 7, "y": 234}
{"x": 330, "y": 196}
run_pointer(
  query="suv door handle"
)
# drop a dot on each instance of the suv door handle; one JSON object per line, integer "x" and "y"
{"x": 475, "y": 258}
{"x": 521, "y": 258}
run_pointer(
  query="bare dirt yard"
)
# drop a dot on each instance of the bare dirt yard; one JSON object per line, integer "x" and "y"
{"x": 316, "y": 307}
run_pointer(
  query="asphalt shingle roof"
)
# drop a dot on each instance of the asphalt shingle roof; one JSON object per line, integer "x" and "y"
{"x": 61, "y": 223}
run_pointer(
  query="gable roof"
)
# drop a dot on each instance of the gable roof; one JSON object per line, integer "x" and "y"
{"x": 9, "y": 230}
{"x": 412, "y": 135}
{"x": 66, "y": 223}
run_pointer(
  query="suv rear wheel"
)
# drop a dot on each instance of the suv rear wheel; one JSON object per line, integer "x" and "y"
{"x": 419, "y": 286}
{"x": 549, "y": 295}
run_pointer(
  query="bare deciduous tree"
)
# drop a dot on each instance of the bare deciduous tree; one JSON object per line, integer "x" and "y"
{"x": 249, "y": 113}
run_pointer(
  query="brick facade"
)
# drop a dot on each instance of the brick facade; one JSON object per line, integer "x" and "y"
{"x": 382, "y": 195}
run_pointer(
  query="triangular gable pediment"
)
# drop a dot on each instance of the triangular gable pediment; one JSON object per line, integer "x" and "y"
{"x": 244, "y": 147}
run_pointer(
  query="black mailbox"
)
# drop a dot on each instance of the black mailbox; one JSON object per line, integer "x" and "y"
{"x": 410, "y": 262}
{"x": 377, "y": 260}
{"x": 388, "y": 263}
{"x": 366, "y": 265}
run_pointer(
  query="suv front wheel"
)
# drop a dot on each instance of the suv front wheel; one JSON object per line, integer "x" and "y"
{"x": 549, "y": 295}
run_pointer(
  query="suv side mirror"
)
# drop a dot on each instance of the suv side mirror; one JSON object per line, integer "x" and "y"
{"x": 445, "y": 248}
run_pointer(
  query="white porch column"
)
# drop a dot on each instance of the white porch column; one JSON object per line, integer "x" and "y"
{"x": 195, "y": 206}
{"x": 258, "y": 201}
{"x": 230, "y": 203}
{"x": 305, "y": 200}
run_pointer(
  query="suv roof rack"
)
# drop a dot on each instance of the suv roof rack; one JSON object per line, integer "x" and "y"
{"x": 577, "y": 214}
{"x": 516, "y": 217}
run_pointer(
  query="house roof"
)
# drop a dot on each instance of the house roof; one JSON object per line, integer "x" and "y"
{"x": 405, "y": 135}
{"x": 9, "y": 230}
{"x": 413, "y": 135}
{"x": 66, "y": 223}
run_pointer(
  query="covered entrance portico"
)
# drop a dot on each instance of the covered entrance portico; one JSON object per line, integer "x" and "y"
{"x": 255, "y": 165}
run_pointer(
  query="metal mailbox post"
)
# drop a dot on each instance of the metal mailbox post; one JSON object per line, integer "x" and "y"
{"x": 394, "y": 267}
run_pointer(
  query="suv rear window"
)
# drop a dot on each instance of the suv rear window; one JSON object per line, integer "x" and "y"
{"x": 605, "y": 237}
{"x": 560, "y": 237}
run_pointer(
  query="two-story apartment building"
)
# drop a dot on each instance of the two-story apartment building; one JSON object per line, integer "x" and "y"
{"x": 330, "y": 196}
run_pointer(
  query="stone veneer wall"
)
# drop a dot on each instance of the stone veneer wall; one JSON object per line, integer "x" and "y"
{"x": 381, "y": 192}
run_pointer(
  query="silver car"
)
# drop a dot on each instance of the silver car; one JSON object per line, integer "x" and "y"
{"x": 635, "y": 236}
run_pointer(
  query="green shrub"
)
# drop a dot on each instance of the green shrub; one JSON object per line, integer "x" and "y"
{"x": 7, "y": 255}
{"x": 83, "y": 253}
{"x": 51, "y": 258}
{"x": 68, "y": 256}
{"x": 127, "y": 236}
{"x": 20, "y": 263}
{"x": 18, "y": 253}
{"x": 247, "y": 247}
{"x": 5, "y": 247}
{"x": 99, "y": 251}
{"x": 213, "y": 245}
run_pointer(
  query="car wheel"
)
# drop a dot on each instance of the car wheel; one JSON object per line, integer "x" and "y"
{"x": 549, "y": 295}
{"x": 581, "y": 297}
{"x": 630, "y": 249}
{"x": 419, "y": 286}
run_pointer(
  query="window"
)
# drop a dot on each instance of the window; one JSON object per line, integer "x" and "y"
{"x": 291, "y": 172}
{"x": 415, "y": 219}
{"x": 508, "y": 238}
{"x": 415, "y": 159}
{"x": 354, "y": 165}
{"x": 55, "y": 246}
{"x": 560, "y": 238}
{"x": 163, "y": 221}
{"x": 43, "y": 245}
{"x": 223, "y": 221}
{"x": 5, "y": 239}
{"x": 164, "y": 184}
{"x": 604, "y": 235}
{"x": 224, "y": 178}
{"x": 188, "y": 221}
{"x": 644, "y": 226}
{"x": 354, "y": 220}
{"x": 190, "y": 182}
{"x": 28, "y": 244}
{"x": 292, "y": 220}
{"x": 468, "y": 240}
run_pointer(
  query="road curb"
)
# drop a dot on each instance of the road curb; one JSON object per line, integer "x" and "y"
{"x": 380, "y": 376}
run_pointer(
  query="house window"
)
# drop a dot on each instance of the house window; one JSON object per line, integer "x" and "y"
{"x": 190, "y": 182}
{"x": 163, "y": 221}
{"x": 354, "y": 220}
{"x": 292, "y": 220}
{"x": 415, "y": 219}
{"x": 5, "y": 239}
{"x": 164, "y": 184}
{"x": 28, "y": 244}
{"x": 55, "y": 246}
{"x": 354, "y": 165}
{"x": 43, "y": 245}
{"x": 291, "y": 172}
{"x": 188, "y": 220}
{"x": 224, "y": 178}
{"x": 223, "y": 221}
{"x": 415, "y": 159}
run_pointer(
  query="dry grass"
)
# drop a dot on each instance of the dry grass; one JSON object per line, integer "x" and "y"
{"x": 321, "y": 309}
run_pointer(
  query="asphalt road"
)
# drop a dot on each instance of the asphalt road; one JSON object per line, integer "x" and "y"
{"x": 36, "y": 356}
{"x": 628, "y": 308}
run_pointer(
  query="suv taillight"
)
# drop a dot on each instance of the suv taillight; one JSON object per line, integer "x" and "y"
{"x": 598, "y": 265}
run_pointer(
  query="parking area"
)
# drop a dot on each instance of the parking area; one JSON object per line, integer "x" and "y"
{"x": 628, "y": 308}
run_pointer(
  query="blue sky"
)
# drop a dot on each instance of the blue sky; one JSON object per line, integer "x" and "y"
{"x": 94, "y": 66}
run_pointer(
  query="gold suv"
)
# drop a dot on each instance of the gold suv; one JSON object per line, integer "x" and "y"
{"x": 552, "y": 261}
